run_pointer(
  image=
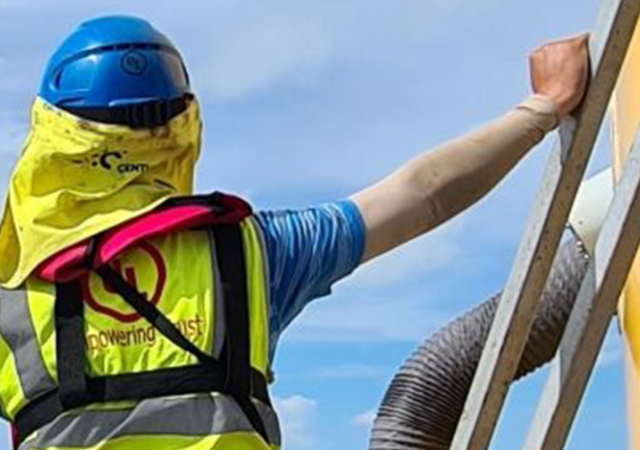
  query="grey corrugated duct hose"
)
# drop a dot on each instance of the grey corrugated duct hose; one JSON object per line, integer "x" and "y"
{"x": 422, "y": 406}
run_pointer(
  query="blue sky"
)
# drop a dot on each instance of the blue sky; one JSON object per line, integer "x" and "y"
{"x": 307, "y": 101}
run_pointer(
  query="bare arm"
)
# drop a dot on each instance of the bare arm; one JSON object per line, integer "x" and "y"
{"x": 439, "y": 184}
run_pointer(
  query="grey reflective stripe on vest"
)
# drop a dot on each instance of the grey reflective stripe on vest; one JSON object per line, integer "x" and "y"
{"x": 200, "y": 416}
{"x": 17, "y": 330}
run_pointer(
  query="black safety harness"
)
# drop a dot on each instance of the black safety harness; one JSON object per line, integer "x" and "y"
{"x": 231, "y": 374}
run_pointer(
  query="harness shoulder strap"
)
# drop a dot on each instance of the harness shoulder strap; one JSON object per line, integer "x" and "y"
{"x": 69, "y": 324}
{"x": 229, "y": 248}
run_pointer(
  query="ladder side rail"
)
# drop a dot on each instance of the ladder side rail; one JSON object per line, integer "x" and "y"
{"x": 565, "y": 169}
{"x": 595, "y": 307}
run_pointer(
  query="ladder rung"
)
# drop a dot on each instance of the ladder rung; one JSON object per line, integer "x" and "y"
{"x": 514, "y": 316}
{"x": 592, "y": 313}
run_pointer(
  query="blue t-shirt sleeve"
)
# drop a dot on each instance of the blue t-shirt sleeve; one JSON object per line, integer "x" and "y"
{"x": 308, "y": 250}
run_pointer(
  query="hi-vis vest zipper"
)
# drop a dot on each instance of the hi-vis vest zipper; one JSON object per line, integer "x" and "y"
{"x": 165, "y": 347}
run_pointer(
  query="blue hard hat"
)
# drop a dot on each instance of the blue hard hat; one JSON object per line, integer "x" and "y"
{"x": 114, "y": 62}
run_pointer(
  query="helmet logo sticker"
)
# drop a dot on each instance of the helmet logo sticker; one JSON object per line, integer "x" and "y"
{"x": 134, "y": 63}
{"x": 152, "y": 289}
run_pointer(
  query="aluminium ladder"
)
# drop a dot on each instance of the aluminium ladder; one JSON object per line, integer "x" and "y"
{"x": 603, "y": 283}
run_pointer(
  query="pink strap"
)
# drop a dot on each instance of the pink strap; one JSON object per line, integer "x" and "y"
{"x": 151, "y": 225}
{"x": 74, "y": 262}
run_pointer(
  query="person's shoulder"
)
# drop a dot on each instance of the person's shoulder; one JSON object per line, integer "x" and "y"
{"x": 345, "y": 209}
{"x": 325, "y": 228}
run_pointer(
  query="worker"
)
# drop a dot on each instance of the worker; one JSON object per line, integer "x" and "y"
{"x": 134, "y": 314}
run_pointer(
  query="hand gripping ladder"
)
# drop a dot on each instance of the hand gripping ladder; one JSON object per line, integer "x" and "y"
{"x": 603, "y": 283}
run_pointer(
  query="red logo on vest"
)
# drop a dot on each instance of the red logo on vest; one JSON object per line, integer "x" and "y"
{"x": 129, "y": 274}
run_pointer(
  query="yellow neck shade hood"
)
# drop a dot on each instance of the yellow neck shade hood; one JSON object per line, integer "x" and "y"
{"x": 77, "y": 178}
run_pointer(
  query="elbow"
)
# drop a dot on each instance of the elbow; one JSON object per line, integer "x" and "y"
{"x": 425, "y": 191}
{"x": 435, "y": 213}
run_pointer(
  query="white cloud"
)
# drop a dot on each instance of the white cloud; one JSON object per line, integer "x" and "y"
{"x": 297, "y": 414}
{"x": 609, "y": 357}
{"x": 352, "y": 318}
{"x": 262, "y": 54}
{"x": 612, "y": 350}
{"x": 11, "y": 3}
{"x": 36, "y": 5}
{"x": 439, "y": 249}
{"x": 248, "y": 46}
{"x": 349, "y": 372}
{"x": 370, "y": 306}
{"x": 365, "y": 419}
{"x": 237, "y": 48}
{"x": 13, "y": 132}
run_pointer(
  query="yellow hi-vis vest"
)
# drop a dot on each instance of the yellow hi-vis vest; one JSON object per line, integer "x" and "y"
{"x": 184, "y": 368}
